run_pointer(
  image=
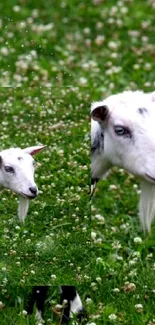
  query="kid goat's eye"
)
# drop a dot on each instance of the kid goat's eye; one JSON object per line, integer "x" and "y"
{"x": 9, "y": 169}
{"x": 122, "y": 131}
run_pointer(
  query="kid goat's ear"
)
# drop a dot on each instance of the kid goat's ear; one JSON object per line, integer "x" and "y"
{"x": 34, "y": 150}
{"x": 99, "y": 113}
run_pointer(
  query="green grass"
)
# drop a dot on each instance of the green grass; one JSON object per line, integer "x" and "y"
{"x": 118, "y": 258}
{"x": 122, "y": 271}
{"x": 16, "y": 300}
{"x": 55, "y": 237}
{"x": 53, "y": 65}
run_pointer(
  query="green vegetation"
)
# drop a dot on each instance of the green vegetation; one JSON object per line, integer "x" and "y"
{"x": 57, "y": 57}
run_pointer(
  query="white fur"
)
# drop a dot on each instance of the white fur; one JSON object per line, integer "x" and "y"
{"x": 135, "y": 154}
{"x": 21, "y": 179}
{"x": 23, "y": 208}
{"x": 38, "y": 317}
{"x": 76, "y": 304}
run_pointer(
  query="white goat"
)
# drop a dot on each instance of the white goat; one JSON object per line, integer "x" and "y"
{"x": 123, "y": 134}
{"x": 17, "y": 174}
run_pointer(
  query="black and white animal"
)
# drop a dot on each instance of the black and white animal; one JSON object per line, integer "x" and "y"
{"x": 68, "y": 294}
{"x": 17, "y": 174}
{"x": 123, "y": 134}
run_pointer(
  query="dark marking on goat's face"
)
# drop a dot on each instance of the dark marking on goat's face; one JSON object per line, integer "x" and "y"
{"x": 100, "y": 113}
{"x": 142, "y": 110}
{"x": 98, "y": 143}
{"x": 1, "y": 161}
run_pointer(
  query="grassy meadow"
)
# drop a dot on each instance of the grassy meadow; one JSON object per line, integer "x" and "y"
{"x": 56, "y": 58}
{"x": 123, "y": 258}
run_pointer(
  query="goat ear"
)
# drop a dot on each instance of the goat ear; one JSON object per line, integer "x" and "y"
{"x": 33, "y": 150}
{"x": 100, "y": 113}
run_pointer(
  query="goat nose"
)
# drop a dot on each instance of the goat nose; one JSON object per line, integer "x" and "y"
{"x": 33, "y": 190}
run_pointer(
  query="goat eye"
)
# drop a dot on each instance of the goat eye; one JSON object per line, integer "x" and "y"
{"x": 122, "y": 131}
{"x": 9, "y": 169}
{"x": 34, "y": 163}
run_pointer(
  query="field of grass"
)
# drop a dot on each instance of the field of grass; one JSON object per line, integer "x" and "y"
{"x": 40, "y": 103}
{"x": 16, "y": 301}
{"x": 53, "y": 245}
{"x": 123, "y": 258}
{"x": 56, "y": 58}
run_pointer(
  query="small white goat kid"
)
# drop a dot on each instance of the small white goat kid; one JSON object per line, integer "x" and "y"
{"x": 123, "y": 134}
{"x": 17, "y": 174}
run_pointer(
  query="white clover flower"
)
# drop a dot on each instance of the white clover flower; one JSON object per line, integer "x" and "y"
{"x": 132, "y": 262}
{"x": 137, "y": 240}
{"x": 17, "y": 227}
{"x": 135, "y": 186}
{"x": 83, "y": 81}
{"x": 33, "y": 272}
{"x": 4, "y": 51}
{"x": 113, "y": 187}
{"x": 112, "y": 45}
{"x": 93, "y": 235}
{"x": 112, "y": 317}
{"x": 99, "y": 240}
{"x": 28, "y": 241}
{"x": 89, "y": 301}
{"x": 86, "y": 30}
{"x": 129, "y": 287}
{"x": 35, "y": 13}
{"x": 136, "y": 254}
{"x": 16, "y": 8}
{"x": 116, "y": 290}
{"x": 24, "y": 312}
{"x": 139, "y": 308}
{"x": 99, "y": 260}
{"x": 148, "y": 66}
{"x": 133, "y": 33}
{"x": 133, "y": 273}
{"x": 136, "y": 66}
{"x": 116, "y": 244}
{"x": 64, "y": 303}
{"x": 123, "y": 10}
{"x": 114, "y": 55}
{"x": 99, "y": 40}
{"x": 58, "y": 307}
{"x": 145, "y": 39}
{"x": 5, "y": 280}
{"x": 100, "y": 218}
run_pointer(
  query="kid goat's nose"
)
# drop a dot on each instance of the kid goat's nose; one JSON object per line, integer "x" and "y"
{"x": 33, "y": 190}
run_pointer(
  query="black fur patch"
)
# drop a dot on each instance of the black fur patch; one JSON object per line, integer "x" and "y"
{"x": 94, "y": 180}
{"x": 98, "y": 142}
{"x": 142, "y": 110}
{"x": 38, "y": 296}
